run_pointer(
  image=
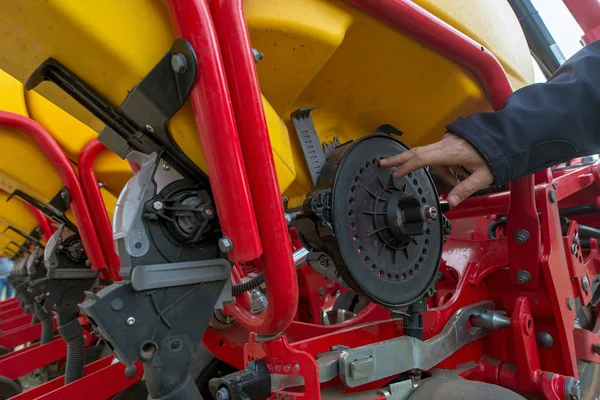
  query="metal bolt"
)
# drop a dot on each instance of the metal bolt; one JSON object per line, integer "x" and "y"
{"x": 166, "y": 167}
{"x": 178, "y": 63}
{"x": 574, "y": 248}
{"x": 544, "y": 340}
{"x": 296, "y": 367}
{"x": 555, "y": 185}
{"x": 585, "y": 283}
{"x": 521, "y": 236}
{"x": 552, "y": 196}
{"x": 430, "y": 213}
{"x": 149, "y": 128}
{"x": 570, "y": 303}
{"x": 48, "y": 294}
{"x": 209, "y": 212}
{"x": 258, "y": 301}
{"x": 257, "y": 55}
{"x": 130, "y": 321}
{"x": 321, "y": 292}
{"x": 223, "y": 394}
{"x": 225, "y": 244}
{"x": 523, "y": 277}
{"x": 157, "y": 205}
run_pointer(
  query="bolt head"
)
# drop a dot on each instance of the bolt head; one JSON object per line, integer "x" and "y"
{"x": 130, "y": 321}
{"x": 157, "y": 205}
{"x": 430, "y": 213}
{"x": 223, "y": 394}
{"x": 257, "y": 55}
{"x": 209, "y": 212}
{"x": 166, "y": 167}
{"x": 552, "y": 196}
{"x": 149, "y": 128}
{"x": 544, "y": 340}
{"x": 574, "y": 248}
{"x": 225, "y": 244}
{"x": 521, "y": 236}
{"x": 523, "y": 277}
{"x": 585, "y": 283}
{"x": 555, "y": 185}
{"x": 178, "y": 63}
{"x": 570, "y": 303}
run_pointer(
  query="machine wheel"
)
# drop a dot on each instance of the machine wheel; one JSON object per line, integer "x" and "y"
{"x": 8, "y": 388}
{"x": 452, "y": 387}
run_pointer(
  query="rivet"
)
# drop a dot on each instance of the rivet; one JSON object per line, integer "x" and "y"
{"x": 130, "y": 321}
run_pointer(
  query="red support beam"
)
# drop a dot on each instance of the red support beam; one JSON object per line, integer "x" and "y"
{"x": 21, "y": 335}
{"x": 587, "y": 15}
{"x": 15, "y": 322}
{"x": 21, "y": 362}
{"x": 91, "y": 190}
{"x": 276, "y": 261}
{"x": 65, "y": 169}
{"x": 216, "y": 127}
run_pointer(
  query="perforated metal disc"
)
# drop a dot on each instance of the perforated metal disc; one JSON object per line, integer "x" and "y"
{"x": 391, "y": 271}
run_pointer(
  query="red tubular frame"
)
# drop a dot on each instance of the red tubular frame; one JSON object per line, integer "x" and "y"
{"x": 216, "y": 127}
{"x": 21, "y": 362}
{"x": 68, "y": 176}
{"x": 42, "y": 222}
{"x": 277, "y": 263}
{"x": 91, "y": 190}
{"x": 587, "y": 15}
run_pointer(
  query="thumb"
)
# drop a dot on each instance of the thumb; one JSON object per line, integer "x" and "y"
{"x": 478, "y": 180}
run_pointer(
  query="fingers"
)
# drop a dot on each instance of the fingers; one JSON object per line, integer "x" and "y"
{"x": 415, "y": 152}
{"x": 446, "y": 175}
{"x": 477, "y": 181}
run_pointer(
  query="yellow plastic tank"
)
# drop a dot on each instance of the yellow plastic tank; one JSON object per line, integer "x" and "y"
{"x": 24, "y": 167}
{"x": 359, "y": 72}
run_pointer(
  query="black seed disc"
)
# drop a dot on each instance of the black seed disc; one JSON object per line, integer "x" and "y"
{"x": 393, "y": 271}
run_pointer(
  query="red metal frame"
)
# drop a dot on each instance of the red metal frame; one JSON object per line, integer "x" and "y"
{"x": 21, "y": 335}
{"x": 11, "y": 313}
{"x": 587, "y": 15}
{"x": 91, "y": 190}
{"x": 68, "y": 176}
{"x": 15, "y": 322}
{"x": 478, "y": 266}
{"x": 21, "y": 362}
{"x": 276, "y": 262}
{"x": 9, "y": 303}
{"x": 216, "y": 127}
{"x": 103, "y": 379}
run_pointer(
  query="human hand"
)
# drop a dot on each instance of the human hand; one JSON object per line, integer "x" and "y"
{"x": 446, "y": 157}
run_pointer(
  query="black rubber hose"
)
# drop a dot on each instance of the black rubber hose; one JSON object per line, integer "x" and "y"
{"x": 588, "y": 231}
{"x": 72, "y": 333}
{"x": 248, "y": 286}
{"x": 47, "y": 325}
{"x": 494, "y": 225}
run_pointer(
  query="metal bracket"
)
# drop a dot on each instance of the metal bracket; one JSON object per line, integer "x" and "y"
{"x": 50, "y": 258}
{"x": 20, "y": 247}
{"x": 24, "y": 235}
{"x": 140, "y": 124}
{"x": 380, "y": 360}
{"x": 54, "y": 210}
{"x": 307, "y": 134}
{"x": 146, "y": 277}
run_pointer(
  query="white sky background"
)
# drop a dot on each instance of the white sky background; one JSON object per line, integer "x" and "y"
{"x": 562, "y": 27}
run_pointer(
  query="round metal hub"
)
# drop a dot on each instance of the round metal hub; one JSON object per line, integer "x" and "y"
{"x": 388, "y": 235}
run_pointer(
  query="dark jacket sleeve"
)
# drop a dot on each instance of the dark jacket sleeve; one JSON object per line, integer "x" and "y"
{"x": 542, "y": 124}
